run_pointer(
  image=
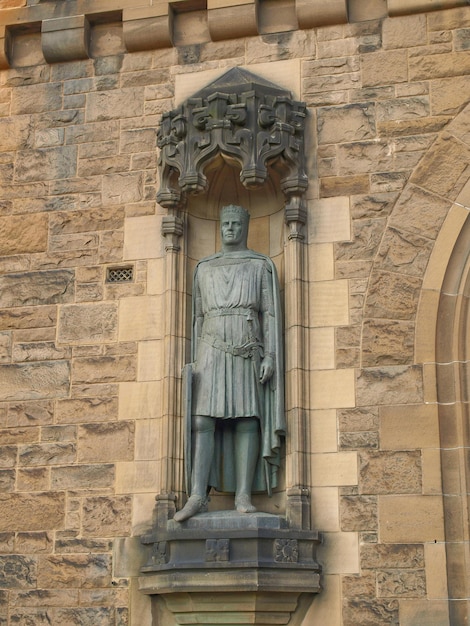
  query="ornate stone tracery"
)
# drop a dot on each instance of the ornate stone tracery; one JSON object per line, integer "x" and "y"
{"x": 246, "y": 120}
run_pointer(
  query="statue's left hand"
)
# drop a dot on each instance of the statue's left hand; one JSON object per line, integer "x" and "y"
{"x": 266, "y": 369}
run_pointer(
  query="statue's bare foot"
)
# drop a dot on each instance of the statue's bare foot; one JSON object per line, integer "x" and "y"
{"x": 195, "y": 504}
{"x": 243, "y": 504}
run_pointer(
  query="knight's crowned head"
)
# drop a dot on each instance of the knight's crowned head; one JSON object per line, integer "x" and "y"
{"x": 231, "y": 211}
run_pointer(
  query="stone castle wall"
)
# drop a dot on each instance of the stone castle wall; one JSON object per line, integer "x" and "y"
{"x": 83, "y": 380}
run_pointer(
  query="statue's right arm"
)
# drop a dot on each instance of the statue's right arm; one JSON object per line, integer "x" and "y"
{"x": 198, "y": 316}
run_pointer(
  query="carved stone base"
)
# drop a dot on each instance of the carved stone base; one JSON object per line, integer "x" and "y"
{"x": 231, "y": 568}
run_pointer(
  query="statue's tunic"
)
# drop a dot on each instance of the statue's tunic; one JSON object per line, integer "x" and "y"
{"x": 232, "y": 296}
{"x": 236, "y": 322}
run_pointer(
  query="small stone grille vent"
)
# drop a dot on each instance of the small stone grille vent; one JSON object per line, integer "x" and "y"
{"x": 120, "y": 274}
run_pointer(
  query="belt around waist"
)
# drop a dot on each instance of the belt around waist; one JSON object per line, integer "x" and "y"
{"x": 249, "y": 313}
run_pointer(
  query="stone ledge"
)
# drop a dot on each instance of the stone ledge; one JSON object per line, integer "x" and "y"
{"x": 66, "y": 28}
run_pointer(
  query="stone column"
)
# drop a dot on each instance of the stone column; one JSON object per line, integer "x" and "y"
{"x": 174, "y": 343}
{"x": 296, "y": 366}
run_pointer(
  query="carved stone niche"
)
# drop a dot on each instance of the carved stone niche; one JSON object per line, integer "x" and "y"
{"x": 225, "y": 567}
{"x": 250, "y": 123}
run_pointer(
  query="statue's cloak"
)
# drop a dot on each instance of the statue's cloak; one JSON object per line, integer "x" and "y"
{"x": 264, "y": 401}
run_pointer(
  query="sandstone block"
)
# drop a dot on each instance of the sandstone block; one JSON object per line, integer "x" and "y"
{"x": 356, "y": 586}
{"x": 398, "y": 526}
{"x": 443, "y": 166}
{"x": 39, "y": 351}
{"x": 46, "y": 164}
{"x": 33, "y": 542}
{"x": 358, "y": 513}
{"x": 392, "y": 296}
{"x": 330, "y": 303}
{"x": 420, "y": 212}
{"x": 358, "y": 419}
{"x": 19, "y": 236}
{"x": 36, "y": 98}
{"x": 30, "y": 413}
{"x": 366, "y": 237}
{"x": 396, "y": 384}
{"x": 32, "y": 288}
{"x": 344, "y": 185}
{"x": 7, "y": 480}
{"x": 115, "y": 104}
{"x": 58, "y": 433}
{"x": 82, "y": 477}
{"x": 414, "y": 423}
{"x": 17, "y": 571}
{"x": 139, "y": 318}
{"x": 339, "y": 553}
{"x": 5, "y": 347}
{"x": 403, "y": 108}
{"x": 432, "y": 66}
{"x": 33, "y": 479}
{"x": 384, "y": 68}
{"x": 90, "y": 323}
{"x": 14, "y": 132}
{"x": 401, "y": 583}
{"x": 404, "y": 32}
{"x": 359, "y": 440}
{"x": 353, "y": 122}
{"x": 19, "y": 435}
{"x": 387, "y": 181}
{"x": 107, "y": 516}
{"x": 390, "y": 472}
{"x": 104, "y": 369}
{"x": 386, "y": 342}
{"x": 86, "y": 221}
{"x": 87, "y": 409}
{"x": 77, "y": 570}
{"x": 364, "y": 156}
{"x": 30, "y": 512}
{"x": 448, "y": 94}
{"x": 330, "y": 222}
{"x": 40, "y": 597}
{"x": 334, "y": 469}
{"x": 47, "y": 454}
{"x": 106, "y": 442}
{"x": 43, "y": 379}
{"x": 404, "y": 252}
{"x": 392, "y": 556}
{"x": 370, "y": 612}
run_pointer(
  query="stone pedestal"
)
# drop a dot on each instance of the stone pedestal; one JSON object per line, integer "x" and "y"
{"x": 231, "y": 568}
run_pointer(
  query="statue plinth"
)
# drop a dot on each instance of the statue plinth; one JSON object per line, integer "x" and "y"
{"x": 254, "y": 561}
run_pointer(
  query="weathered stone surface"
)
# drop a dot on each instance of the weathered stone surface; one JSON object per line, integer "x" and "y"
{"x": 359, "y": 440}
{"x": 34, "y": 542}
{"x": 401, "y": 583}
{"x": 36, "y": 511}
{"x": 86, "y": 221}
{"x": 46, "y": 164}
{"x": 107, "y": 516}
{"x": 17, "y": 571}
{"x": 420, "y": 212}
{"x": 7, "y": 480}
{"x": 14, "y": 132}
{"x": 358, "y": 513}
{"x": 403, "y": 108}
{"x": 106, "y": 442}
{"x": 355, "y": 586}
{"x": 384, "y": 68}
{"x": 377, "y": 205}
{"x": 359, "y": 419}
{"x": 449, "y": 94}
{"x": 403, "y": 32}
{"x": 32, "y": 479}
{"x": 392, "y": 296}
{"x": 404, "y": 252}
{"x": 82, "y": 477}
{"x": 441, "y": 170}
{"x": 39, "y": 351}
{"x": 387, "y": 342}
{"x": 43, "y": 379}
{"x": 88, "y": 323}
{"x": 88, "y": 409}
{"x": 122, "y": 188}
{"x": 364, "y": 156}
{"x": 8, "y": 456}
{"x": 77, "y": 570}
{"x": 103, "y": 369}
{"x": 431, "y": 66}
{"x": 41, "y": 597}
{"x": 47, "y": 454}
{"x": 388, "y": 556}
{"x": 36, "y": 98}
{"x": 19, "y": 435}
{"x": 367, "y": 234}
{"x": 353, "y": 122}
{"x": 390, "y": 472}
{"x": 32, "y": 288}
{"x": 5, "y": 347}
{"x": 58, "y": 433}
{"x": 115, "y": 104}
{"x": 19, "y": 236}
{"x": 344, "y": 185}
{"x": 370, "y": 612}
{"x": 396, "y": 384}
{"x": 30, "y": 413}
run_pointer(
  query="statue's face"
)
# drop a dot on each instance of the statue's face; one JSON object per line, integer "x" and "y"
{"x": 232, "y": 230}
